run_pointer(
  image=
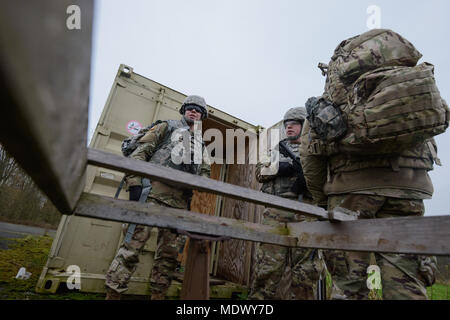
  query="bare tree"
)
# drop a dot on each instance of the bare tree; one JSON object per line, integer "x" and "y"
{"x": 21, "y": 201}
{"x": 8, "y": 166}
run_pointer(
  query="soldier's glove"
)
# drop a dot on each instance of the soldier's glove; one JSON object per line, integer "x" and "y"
{"x": 135, "y": 192}
{"x": 187, "y": 194}
{"x": 285, "y": 169}
{"x": 299, "y": 186}
{"x": 297, "y": 167}
{"x": 283, "y": 152}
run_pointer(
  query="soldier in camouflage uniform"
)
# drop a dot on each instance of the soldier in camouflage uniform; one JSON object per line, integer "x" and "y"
{"x": 157, "y": 146}
{"x": 374, "y": 187}
{"x": 282, "y": 272}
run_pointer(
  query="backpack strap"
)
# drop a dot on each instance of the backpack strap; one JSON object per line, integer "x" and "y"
{"x": 434, "y": 153}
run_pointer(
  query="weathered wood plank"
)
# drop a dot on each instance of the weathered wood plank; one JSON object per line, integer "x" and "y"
{"x": 196, "y": 275}
{"x": 419, "y": 235}
{"x": 182, "y": 179}
{"x": 197, "y": 253}
{"x": 44, "y": 83}
{"x": 203, "y": 202}
{"x": 235, "y": 255}
{"x": 104, "y": 208}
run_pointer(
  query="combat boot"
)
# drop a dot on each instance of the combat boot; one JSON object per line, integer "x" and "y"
{"x": 112, "y": 294}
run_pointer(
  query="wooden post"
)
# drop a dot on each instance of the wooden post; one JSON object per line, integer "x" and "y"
{"x": 193, "y": 259}
{"x": 44, "y": 93}
{"x": 196, "y": 274}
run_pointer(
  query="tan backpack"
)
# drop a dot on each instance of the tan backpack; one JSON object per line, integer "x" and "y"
{"x": 388, "y": 103}
{"x": 366, "y": 52}
{"x": 392, "y": 109}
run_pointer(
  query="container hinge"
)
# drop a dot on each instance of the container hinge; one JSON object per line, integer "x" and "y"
{"x": 125, "y": 70}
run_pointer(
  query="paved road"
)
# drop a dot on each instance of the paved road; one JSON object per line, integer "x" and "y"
{"x": 10, "y": 230}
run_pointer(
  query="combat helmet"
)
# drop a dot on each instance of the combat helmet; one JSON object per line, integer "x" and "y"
{"x": 195, "y": 100}
{"x": 296, "y": 114}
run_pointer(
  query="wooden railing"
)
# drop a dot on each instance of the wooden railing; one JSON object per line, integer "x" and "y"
{"x": 419, "y": 235}
{"x": 415, "y": 235}
{"x": 44, "y": 77}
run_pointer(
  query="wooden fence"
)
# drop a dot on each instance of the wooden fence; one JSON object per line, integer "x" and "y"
{"x": 45, "y": 75}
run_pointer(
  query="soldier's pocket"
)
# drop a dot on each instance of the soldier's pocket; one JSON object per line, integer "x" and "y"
{"x": 427, "y": 269}
{"x": 143, "y": 234}
{"x": 124, "y": 228}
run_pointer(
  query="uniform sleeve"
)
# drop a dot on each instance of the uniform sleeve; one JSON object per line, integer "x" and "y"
{"x": 260, "y": 167}
{"x": 205, "y": 169}
{"x": 146, "y": 147}
{"x": 315, "y": 172}
{"x": 314, "y": 168}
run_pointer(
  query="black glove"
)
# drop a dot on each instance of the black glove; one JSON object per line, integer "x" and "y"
{"x": 187, "y": 194}
{"x": 285, "y": 169}
{"x": 135, "y": 192}
{"x": 283, "y": 152}
{"x": 299, "y": 186}
{"x": 297, "y": 167}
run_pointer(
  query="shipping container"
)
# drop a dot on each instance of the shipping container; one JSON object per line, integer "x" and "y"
{"x": 135, "y": 102}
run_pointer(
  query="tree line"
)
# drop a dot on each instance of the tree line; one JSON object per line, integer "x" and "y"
{"x": 21, "y": 201}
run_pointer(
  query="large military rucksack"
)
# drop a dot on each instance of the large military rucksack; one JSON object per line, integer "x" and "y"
{"x": 368, "y": 51}
{"x": 392, "y": 109}
{"x": 375, "y": 90}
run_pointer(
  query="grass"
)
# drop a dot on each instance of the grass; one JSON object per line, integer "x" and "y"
{"x": 439, "y": 292}
{"x": 436, "y": 292}
{"x": 31, "y": 252}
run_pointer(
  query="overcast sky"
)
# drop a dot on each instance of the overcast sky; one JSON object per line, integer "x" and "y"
{"x": 254, "y": 59}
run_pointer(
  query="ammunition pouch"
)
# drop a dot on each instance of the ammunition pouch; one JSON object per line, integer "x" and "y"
{"x": 428, "y": 269}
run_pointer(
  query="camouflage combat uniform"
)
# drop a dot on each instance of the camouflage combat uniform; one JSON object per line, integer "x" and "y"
{"x": 283, "y": 272}
{"x": 156, "y": 147}
{"x": 374, "y": 187}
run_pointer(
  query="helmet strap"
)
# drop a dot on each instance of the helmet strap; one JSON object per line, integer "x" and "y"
{"x": 293, "y": 138}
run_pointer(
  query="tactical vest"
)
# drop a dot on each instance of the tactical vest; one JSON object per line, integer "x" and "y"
{"x": 163, "y": 154}
{"x": 408, "y": 170}
{"x": 281, "y": 186}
